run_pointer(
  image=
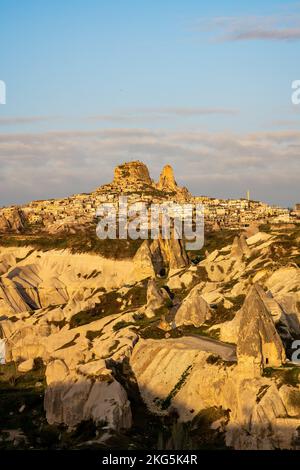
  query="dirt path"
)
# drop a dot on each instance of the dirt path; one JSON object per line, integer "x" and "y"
{"x": 226, "y": 351}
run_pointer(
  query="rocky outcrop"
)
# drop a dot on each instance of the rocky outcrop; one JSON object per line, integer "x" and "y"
{"x": 12, "y": 219}
{"x": 167, "y": 180}
{"x": 171, "y": 253}
{"x": 131, "y": 174}
{"x": 240, "y": 248}
{"x": 89, "y": 394}
{"x": 26, "y": 366}
{"x": 160, "y": 255}
{"x": 194, "y": 310}
{"x": 168, "y": 184}
{"x": 4, "y": 224}
{"x": 259, "y": 345}
{"x": 156, "y": 298}
{"x": 143, "y": 260}
{"x": 179, "y": 374}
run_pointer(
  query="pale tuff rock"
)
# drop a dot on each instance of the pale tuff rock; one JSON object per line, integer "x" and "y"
{"x": 229, "y": 331}
{"x": 131, "y": 173}
{"x": 56, "y": 372}
{"x": 258, "y": 238}
{"x": 260, "y": 276}
{"x": 143, "y": 260}
{"x": 42, "y": 279}
{"x": 240, "y": 247}
{"x": 156, "y": 298}
{"x": 41, "y": 292}
{"x": 194, "y": 310}
{"x": 28, "y": 350}
{"x": 70, "y": 399}
{"x": 182, "y": 280}
{"x": 284, "y": 285}
{"x": 4, "y": 224}
{"x": 151, "y": 258}
{"x": 291, "y": 307}
{"x": 213, "y": 297}
{"x": 11, "y": 300}
{"x": 107, "y": 402}
{"x": 157, "y": 259}
{"x": 168, "y": 184}
{"x": 259, "y": 416}
{"x": 284, "y": 280}
{"x": 291, "y": 399}
{"x": 115, "y": 345}
{"x": 57, "y": 291}
{"x": 212, "y": 256}
{"x": 12, "y": 220}
{"x": 159, "y": 365}
{"x": 240, "y": 288}
{"x": 224, "y": 265}
{"x": 93, "y": 369}
{"x": 173, "y": 253}
{"x": 55, "y": 315}
{"x": 259, "y": 344}
{"x": 262, "y": 421}
{"x": 75, "y": 353}
{"x": 69, "y": 345}
{"x": 26, "y": 366}
{"x": 166, "y": 180}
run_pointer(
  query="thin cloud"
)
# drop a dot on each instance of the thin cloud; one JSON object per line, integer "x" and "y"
{"x": 161, "y": 113}
{"x": 17, "y": 120}
{"x": 251, "y": 28}
{"x": 292, "y": 34}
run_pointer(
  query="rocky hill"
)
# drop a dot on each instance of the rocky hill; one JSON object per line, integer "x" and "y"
{"x": 77, "y": 213}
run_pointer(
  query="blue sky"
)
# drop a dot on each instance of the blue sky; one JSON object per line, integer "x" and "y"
{"x": 203, "y": 86}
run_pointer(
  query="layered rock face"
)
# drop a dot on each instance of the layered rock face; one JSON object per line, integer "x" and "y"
{"x": 33, "y": 280}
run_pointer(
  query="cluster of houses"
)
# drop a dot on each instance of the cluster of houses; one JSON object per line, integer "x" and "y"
{"x": 239, "y": 213}
{"x": 133, "y": 181}
{"x": 80, "y": 209}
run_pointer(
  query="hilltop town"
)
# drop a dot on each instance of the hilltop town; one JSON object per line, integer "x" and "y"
{"x": 133, "y": 180}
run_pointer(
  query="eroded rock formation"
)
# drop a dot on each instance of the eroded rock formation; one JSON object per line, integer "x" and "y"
{"x": 194, "y": 310}
{"x": 259, "y": 345}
